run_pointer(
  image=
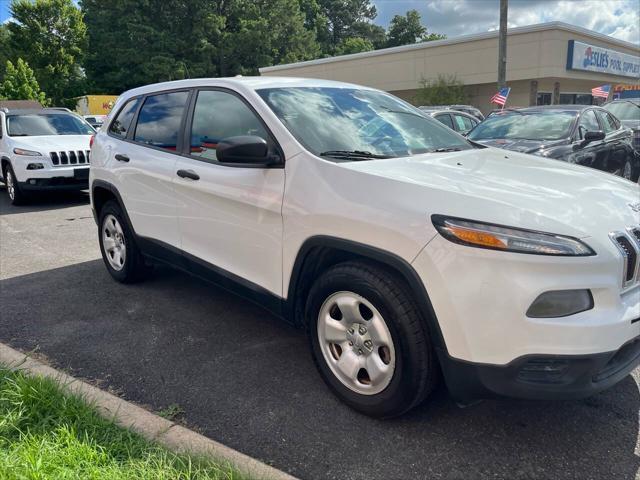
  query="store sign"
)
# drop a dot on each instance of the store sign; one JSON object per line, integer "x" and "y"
{"x": 582, "y": 56}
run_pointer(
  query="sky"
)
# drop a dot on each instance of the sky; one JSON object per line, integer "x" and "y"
{"x": 618, "y": 18}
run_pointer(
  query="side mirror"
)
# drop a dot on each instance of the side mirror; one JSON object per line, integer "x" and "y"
{"x": 592, "y": 136}
{"x": 247, "y": 149}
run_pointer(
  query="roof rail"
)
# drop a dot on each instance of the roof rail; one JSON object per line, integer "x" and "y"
{"x": 58, "y": 108}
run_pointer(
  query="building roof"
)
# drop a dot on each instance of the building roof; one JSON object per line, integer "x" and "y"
{"x": 461, "y": 39}
{"x": 19, "y": 104}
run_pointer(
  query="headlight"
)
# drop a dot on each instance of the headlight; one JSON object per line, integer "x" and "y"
{"x": 497, "y": 237}
{"x": 28, "y": 153}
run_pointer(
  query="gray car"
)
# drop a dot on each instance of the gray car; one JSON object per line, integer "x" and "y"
{"x": 461, "y": 122}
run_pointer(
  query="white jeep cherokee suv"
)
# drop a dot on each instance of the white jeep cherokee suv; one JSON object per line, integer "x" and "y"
{"x": 43, "y": 149}
{"x": 406, "y": 251}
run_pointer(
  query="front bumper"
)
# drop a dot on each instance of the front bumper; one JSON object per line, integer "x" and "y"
{"x": 480, "y": 299}
{"x": 55, "y": 183}
{"x": 541, "y": 377}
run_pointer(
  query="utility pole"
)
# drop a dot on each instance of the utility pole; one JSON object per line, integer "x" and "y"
{"x": 502, "y": 45}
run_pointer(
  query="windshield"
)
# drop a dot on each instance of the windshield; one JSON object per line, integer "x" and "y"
{"x": 624, "y": 110}
{"x": 353, "y": 120}
{"x": 525, "y": 125}
{"x": 37, "y": 124}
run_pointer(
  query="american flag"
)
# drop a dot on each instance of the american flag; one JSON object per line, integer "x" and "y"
{"x": 500, "y": 98}
{"x": 602, "y": 91}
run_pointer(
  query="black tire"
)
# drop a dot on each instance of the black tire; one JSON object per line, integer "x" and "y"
{"x": 19, "y": 197}
{"x": 631, "y": 170}
{"x": 133, "y": 268}
{"x": 416, "y": 370}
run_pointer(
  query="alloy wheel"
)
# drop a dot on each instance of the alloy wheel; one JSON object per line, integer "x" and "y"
{"x": 626, "y": 173}
{"x": 356, "y": 343}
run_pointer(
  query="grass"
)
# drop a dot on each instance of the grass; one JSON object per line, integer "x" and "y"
{"x": 48, "y": 434}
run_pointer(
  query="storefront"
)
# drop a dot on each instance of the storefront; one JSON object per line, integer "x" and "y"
{"x": 546, "y": 64}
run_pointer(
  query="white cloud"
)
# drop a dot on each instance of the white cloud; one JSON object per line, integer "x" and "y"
{"x": 617, "y": 18}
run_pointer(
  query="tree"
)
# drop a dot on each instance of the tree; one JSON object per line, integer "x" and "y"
{"x": 354, "y": 45}
{"x": 408, "y": 29}
{"x": 343, "y": 18}
{"x": 19, "y": 83}
{"x": 444, "y": 90}
{"x": 269, "y": 32}
{"x": 50, "y": 35}
{"x": 5, "y": 47}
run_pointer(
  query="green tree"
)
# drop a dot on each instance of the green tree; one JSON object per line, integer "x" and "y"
{"x": 51, "y": 36}
{"x": 443, "y": 90}
{"x": 408, "y": 29}
{"x": 354, "y": 45}
{"x": 5, "y": 47}
{"x": 343, "y": 19}
{"x": 374, "y": 34}
{"x": 269, "y": 32}
{"x": 19, "y": 83}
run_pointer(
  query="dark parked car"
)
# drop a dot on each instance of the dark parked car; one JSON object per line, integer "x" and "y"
{"x": 460, "y": 108}
{"x": 582, "y": 134}
{"x": 628, "y": 112}
{"x": 459, "y": 121}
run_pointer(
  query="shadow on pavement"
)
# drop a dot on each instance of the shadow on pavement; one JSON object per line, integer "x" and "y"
{"x": 247, "y": 380}
{"x": 43, "y": 201}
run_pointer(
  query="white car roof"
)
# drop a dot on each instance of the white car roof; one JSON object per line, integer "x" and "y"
{"x": 241, "y": 83}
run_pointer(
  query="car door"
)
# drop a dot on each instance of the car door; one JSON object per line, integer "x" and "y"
{"x": 144, "y": 162}
{"x": 230, "y": 216}
{"x": 618, "y": 151}
{"x": 592, "y": 154}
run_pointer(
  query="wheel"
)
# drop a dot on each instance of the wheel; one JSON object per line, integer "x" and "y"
{"x": 119, "y": 251}
{"x": 629, "y": 172}
{"x": 369, "y": 341}
{"x": 16, "y": 195}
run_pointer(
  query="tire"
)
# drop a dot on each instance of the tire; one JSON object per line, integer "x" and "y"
{"x": 371, "y": 298}
{"x": 630, "y": 171}
{"x": 121, "y": 255}
{"x": 17, "y": 196}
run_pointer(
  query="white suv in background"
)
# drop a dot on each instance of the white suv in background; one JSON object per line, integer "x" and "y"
{"x": 406, "y": 251}
{"x": 43, "y": 149}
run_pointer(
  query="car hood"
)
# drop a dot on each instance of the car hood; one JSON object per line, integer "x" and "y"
{"x": 514, "y": 189}
{"x": 53, "y": 143}
{"x": 520, "y": 145}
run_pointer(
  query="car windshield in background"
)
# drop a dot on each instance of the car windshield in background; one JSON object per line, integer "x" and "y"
{"x": 369, "y": 124}
{"x": 38, "y": 124}
{"x": 541, "y": 125}
{"x": 624, "y": 110}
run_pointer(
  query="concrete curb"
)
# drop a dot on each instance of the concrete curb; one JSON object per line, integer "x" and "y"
{"x": 152, "y": 427}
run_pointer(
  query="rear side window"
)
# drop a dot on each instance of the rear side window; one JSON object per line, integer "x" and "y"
{"x": 608, "y": 122}
{"x": 464, "y": 124}
{"x": 120, "y": 125}
{"x": 159, "y": 120}
{"x": 219, "y": 115}
{"x": 445, "y": 120}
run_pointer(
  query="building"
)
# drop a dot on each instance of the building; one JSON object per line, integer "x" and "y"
{"x": 95, "y": 104}
{"x": 546, "y": 63}
{"x": 20, "y": 104}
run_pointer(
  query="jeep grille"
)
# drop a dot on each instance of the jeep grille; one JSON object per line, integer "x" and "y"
{"x": 79, "y": 157}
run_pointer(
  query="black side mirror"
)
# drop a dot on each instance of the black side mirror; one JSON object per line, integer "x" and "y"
{"x": 247, "y": 149}
{"x": 592, "y": 136}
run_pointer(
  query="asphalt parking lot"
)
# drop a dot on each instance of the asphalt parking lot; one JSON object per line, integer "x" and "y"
{"x": 247, "y": 380}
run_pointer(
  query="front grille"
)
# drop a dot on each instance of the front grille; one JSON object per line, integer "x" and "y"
{"x": 72, "y": 157}
{"x": 628, "y": 243}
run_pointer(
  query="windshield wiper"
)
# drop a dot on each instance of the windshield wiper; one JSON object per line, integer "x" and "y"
{"x": 355, "y": 154}
{"x": 446, "y": 149}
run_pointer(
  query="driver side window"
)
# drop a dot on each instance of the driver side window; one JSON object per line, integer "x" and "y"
{"x": 588, "y": 123}
{"x": 219, "y": 115}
